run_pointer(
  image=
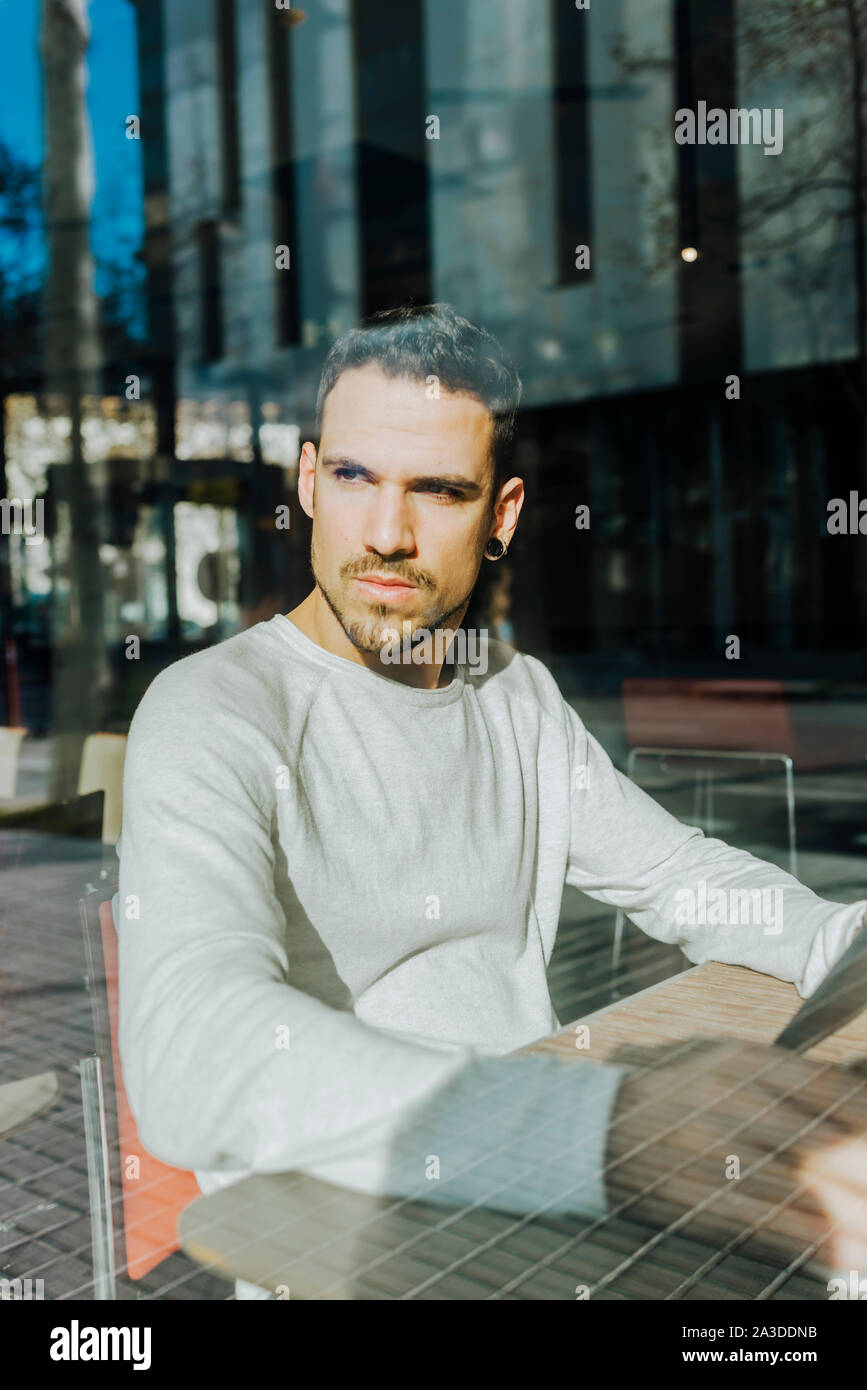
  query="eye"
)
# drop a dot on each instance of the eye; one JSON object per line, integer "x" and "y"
{"x": 449, "y": 494}
{"x": 347, "y": 475}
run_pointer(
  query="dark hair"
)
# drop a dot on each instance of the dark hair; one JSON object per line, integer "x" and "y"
{"x": 422, "y": 340}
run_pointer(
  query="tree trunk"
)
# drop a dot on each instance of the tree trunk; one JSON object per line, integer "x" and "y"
{"x": 71, "y": 361}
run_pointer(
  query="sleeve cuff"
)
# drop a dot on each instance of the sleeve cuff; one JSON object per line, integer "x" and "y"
{"x": 517, "y": 1134}
{"x": 831, "y": 941}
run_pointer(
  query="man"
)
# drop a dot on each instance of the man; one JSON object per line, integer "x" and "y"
{"x": 342, "y": 866}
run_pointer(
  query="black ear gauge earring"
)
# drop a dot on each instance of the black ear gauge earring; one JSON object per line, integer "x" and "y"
{"x": 495, "y": 549}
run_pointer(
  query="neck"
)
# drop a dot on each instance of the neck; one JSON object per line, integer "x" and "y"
{"x": 316, "y": 620}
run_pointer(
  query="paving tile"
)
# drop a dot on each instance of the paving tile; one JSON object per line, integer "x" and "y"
{"x": 46, "y": 1023}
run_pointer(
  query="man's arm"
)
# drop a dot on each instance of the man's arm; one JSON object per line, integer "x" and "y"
{"x": 627, "y": 851}
{"x": 229, "y": 1067}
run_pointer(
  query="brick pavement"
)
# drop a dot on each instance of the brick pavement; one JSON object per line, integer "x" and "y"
{"x": 46, "y": 1024}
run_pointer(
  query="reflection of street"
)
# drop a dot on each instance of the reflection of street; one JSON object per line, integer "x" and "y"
{"x": 45, "y": 1019}
{"x": 158, "y": 376}
{"x": 207, "y": 566}
{"x": 45, "y": 1229}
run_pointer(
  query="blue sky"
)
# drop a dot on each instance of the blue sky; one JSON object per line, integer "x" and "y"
{"x": 112, "y": 95}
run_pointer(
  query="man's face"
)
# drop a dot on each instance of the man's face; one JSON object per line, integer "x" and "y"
{"x": 402, "y": 504}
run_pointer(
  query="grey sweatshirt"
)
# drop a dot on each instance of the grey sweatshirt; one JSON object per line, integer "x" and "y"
{"x": 338, "y": 900}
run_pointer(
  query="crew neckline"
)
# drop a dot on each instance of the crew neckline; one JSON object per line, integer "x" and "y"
{"x": 443, "y": 695}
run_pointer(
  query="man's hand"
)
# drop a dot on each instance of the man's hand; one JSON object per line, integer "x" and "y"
{"x": 681, "y": 1133}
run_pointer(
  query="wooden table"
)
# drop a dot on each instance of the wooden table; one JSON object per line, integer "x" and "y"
{"x": 302, "y": 1238}
{"x": 708, "y": 999}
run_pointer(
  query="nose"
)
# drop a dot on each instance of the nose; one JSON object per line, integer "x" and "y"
{"x": 388, "y": 523}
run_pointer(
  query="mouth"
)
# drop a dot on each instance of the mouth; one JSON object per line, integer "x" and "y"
{"x": 385, "y": 588}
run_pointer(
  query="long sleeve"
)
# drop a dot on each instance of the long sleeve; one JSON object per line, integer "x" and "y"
{"x": 679, "y": 886}
{"x": 231, "y": 1069}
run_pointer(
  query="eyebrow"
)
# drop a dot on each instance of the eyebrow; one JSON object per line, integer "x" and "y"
{"x": 455, "y": 480}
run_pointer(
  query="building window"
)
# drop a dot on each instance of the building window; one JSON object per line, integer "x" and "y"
{"x": 283, "y": 175}
{"x": 392, "y": 167}
{"x": 709, "y": 291}
{"x": 571, "y": 110}
{"x": 211, "y": 326}
{"x": 227, "y": 102}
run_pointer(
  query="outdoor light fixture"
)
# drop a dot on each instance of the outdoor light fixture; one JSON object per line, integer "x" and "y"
{"x": 689, "y": 254}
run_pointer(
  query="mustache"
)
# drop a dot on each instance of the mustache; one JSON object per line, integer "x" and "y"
{"x": 357, "y": 569}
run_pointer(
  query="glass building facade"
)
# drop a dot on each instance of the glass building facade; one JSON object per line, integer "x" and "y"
{"x": 198, "y": 197}
{"x": 299, "y": 170}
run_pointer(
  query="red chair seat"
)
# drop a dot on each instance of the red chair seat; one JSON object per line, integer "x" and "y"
{"x": 153, "y": 1200}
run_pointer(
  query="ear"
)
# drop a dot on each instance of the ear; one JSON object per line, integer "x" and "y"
{"x": 306, "y": 477}
{"x": 507, "y": 509}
